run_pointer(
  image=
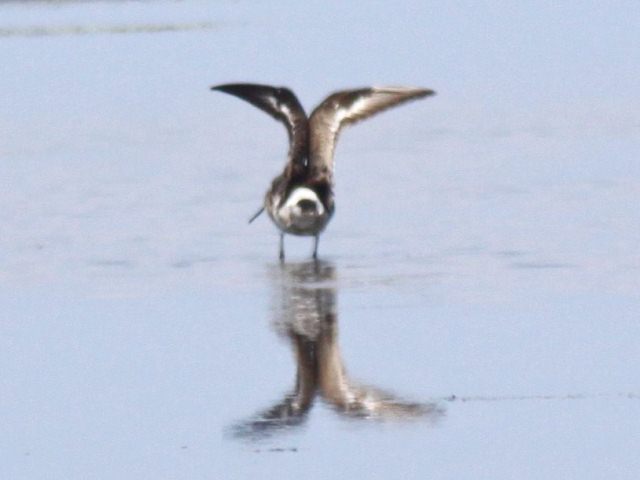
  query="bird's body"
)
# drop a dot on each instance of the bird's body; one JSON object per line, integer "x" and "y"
{"x": 300, "y": 201}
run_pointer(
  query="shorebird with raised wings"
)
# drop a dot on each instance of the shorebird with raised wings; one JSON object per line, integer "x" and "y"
{"x": 300, "y": 201}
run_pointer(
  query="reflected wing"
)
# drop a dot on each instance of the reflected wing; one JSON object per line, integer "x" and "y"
{"x": 347, "y": 107}
{"x": 360, "y": 401}
{"x": 281, "y": 104}
{"x": 290, "y": 412}
{"x": 281, "y": 417}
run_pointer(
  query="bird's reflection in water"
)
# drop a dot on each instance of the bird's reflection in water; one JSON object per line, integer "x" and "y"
{"x": 304, "y": 309}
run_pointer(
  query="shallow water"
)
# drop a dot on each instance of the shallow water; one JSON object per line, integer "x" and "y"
{"x": 475, "y": 311}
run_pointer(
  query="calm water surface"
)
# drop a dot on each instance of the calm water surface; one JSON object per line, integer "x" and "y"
{"x": 475, "y": 310}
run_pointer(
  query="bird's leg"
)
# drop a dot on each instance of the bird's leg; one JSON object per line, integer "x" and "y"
{"x": 282, "y": 246}
{"x": 315, "y": 247}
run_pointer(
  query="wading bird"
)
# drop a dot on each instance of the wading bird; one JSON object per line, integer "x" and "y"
{"x": 300, "y": 201}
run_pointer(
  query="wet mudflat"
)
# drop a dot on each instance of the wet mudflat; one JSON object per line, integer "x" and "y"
{"x": 474, "y": 313}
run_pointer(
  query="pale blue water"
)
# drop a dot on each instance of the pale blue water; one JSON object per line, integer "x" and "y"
{"x": 479, "y": 283}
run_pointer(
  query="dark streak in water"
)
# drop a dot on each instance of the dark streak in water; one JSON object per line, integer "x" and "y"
{"x": 510, "y": 253}
{"x": 541, "y": 265}
{"x": 277, "y": 450}
{"x": 42, "y": 31}
{"x": 188, "y": 263}
{"x": 568, "y": 396}
{"x": 111, "y": 263}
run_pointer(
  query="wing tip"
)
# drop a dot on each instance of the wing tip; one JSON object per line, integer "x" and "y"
{"x": 417, "y": 92}
{"x": 230, "y": 87}
{"x": 247, "y": 87}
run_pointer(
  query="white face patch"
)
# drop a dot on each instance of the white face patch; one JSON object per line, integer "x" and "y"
{"x": 297, "y": 219}
{"x": 304, "y": 193}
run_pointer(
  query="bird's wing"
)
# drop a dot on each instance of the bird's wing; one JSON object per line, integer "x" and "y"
{"x": 347, "y": 107}
{"x": 282, "y": 104}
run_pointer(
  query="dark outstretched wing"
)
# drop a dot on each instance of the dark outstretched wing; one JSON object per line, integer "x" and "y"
{"x": 281, "y": 104}
{"x": 347, "y": 107}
